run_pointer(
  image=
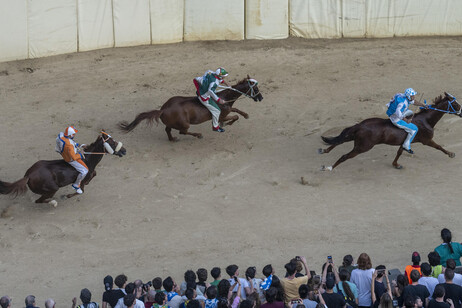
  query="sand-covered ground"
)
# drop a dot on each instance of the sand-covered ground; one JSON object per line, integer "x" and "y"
{"x": 228, "y": 198}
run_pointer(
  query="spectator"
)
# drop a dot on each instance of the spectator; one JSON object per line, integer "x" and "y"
{"x": 236, "y": 298}
{"x": 291, "y": 284}
{"x": 268, "y": 272}
{"x": 224, "y": 290}
{"x": 254, "y": 283}
{"x": 330, "y": 270}
{"x": 131, "y": 288}
{"x": 160, "y": 300}
{"x": 409, "y": 302}
{"x": 173, "y": 299}
{"x": 378, "y": 288}
{"x": 157, "y": 284}
{"x": 347, "y": 288}
{"x": 202, "y": 278}
{"x": 332, "y": 300}
{"x": 255, "y": 299}
{"x": 140, "y": 291}
{"x": 449, "y": 249}
{"x": 85, "y": 297}
{"x": 277, "y": 284}
{"x": 386, "y": 301}
{"x": 129, "y": 300}
{"x": 211, "y": 294}
{"x": 398, "y": 288}
{"x": 30, "y": 301}
{"x": 438, "y": 299}
{"x": 189, "y": 276}
{"x": 50, "y": 303}
{"x": 426, "y": 279}
{"x": 434, "y": 260}
{"x": 347, "y": 264}
{"x": 233, "y": 272}
{"x": 450, "y": 263}
{"x": 415, "y": 266}
{"x": 150, "y": 298}
{"x": 189, "y": 295}
{"x": 416, "y": 290}
{"x": 5, "y": 302}
{"x": 121, "y": 281}
{"x": 451, "y": 290}
{"x": 216, "y": 274}
{"x": 194, "y": 304}
{"x": 271, "y": 302}
{"x": 362, "y": 278}
{"x": 111, "y": 296}
{"x": 303, "y": 291}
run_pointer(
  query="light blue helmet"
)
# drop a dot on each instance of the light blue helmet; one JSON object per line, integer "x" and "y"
{"x": 409, "y": 92}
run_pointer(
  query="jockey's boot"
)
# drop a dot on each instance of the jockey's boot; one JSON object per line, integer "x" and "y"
{"x": 218, "y": 129}
{"x": 77, "y": 189}
{"x": 408, "y": 150}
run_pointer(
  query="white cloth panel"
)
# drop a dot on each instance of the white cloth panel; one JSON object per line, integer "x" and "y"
{"x": 427, "y": 17}
{"x": 167, "y": 21}
{"x": 267, "y": 19}
{"x": 315, "y": 18}
{"x": 95, "y": 24}
{"x": 354, "y": 18}
{"x": 52, "y": 27}
{"x": 131, "y": 22}
{"x": 378, "y": 23}
{"x": 214, "y": 20}
{"x": 13, "y": 30}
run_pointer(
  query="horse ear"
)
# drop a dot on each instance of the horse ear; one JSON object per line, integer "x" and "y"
{"x": 446, "y": 94}
{"x": 248, "y": 77}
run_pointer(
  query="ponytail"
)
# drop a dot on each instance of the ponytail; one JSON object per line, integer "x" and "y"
{"x": 447, "y": 237}
{"x": 347, "y": 290}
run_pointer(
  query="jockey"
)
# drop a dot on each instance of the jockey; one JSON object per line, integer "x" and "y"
{"x": 206, "y": 86}
{"x": 401, "y": 116}
{"x": 69, "y": 150}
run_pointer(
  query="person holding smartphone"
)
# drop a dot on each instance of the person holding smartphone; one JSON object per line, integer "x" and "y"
{"x": 291, "y": 284}
{"x": 378, "y": 287}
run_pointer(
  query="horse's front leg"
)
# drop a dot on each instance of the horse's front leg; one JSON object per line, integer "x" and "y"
{"x": 435, "y": 145}
{"x": 229, "y": 120}
{"x": 395, "y": 162}
{"x": 88, "y": 178}
{"x": 242, "y": 113}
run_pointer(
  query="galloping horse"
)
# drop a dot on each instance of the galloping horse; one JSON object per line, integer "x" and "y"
{"x": 377, "y": 130}
{"x": 179, "y": 112}
{"x": 45, "y": 177}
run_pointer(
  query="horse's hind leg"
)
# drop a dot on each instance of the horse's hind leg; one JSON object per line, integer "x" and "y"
{"x": 47, "y": 198}
{"x": 395, "y": 162}
{"x": 185, "y": 132}
{"x": 435, "y": 145}
{"x": 168, "y": 130}
{"x": 358, "y": 149}
{"x": 229, "y": 120}
{"x": 325, "y": 151}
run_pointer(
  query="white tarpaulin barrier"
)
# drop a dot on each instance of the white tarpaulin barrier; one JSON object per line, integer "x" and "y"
{"x": 267, "y": 19}
{"x": 131, "y": 22}
{"x": 52, "y": 27}
{"x": 214, "y": 20}
{"x": 167, "y": 21}
{"x": 377, "y": 23}
{"x": 13, "y": 30}
{"x": 315, "y": 18}
{"x": 95, "y": 24}
{"x": 354, "y": 18}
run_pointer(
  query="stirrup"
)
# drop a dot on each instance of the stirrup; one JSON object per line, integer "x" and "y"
{"x": 409, "y": 151}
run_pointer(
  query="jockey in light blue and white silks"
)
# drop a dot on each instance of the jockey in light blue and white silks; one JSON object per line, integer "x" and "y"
{"x": 401, "y": 103}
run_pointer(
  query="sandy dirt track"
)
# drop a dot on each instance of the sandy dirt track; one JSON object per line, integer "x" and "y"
{"x": 227, "y": 198}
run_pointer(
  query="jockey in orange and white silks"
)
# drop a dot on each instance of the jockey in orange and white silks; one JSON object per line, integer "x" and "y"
{"x": 68, "y": 149}
{"x": 206, "y": 86}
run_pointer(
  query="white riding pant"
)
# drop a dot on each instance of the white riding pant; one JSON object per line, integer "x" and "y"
{"x": 81, "y": 169}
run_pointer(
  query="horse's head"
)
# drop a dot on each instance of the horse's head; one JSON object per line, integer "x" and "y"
{"x": 249, "y": 88}
{"x": 448, "y": 104}
{"x": 111, "y": 146}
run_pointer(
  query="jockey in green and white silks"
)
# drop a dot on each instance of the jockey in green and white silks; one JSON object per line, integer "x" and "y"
{"x": 400, "y": 115}
{"x": 206, "y": 86}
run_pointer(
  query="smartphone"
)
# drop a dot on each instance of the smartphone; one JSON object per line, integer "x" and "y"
{"x": 329, "y": 258}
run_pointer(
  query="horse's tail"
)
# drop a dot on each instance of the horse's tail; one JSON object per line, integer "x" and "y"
{"x": 348, "y": 134}
{"x": 16, "y": 188}
{"x": 150, "y": 116}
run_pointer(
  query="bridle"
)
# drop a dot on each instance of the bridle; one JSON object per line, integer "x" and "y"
{"x": 450, "y": 109}
{"x": 107, "y": 147}
{"x": 252, "y": 83}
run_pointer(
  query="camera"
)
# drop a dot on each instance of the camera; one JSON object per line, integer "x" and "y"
{"x": 147, "y": 285}
{"x": 395, "y": 303}
{"x": 298, "y": 258}
{"x": 329, "y": 258}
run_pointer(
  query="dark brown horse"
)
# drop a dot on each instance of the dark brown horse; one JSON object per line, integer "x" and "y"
{"x": 45, "y": 177}
{"x": 376, "y": 131}
{"x": 179, "y": 112}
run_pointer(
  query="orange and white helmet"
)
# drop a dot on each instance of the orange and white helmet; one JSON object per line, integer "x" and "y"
{"x": 71, "y": 130}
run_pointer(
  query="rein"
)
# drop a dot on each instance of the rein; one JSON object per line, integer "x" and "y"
{"x": 450, "y": 110}
{"x": 108, "y": 149}
{"x": 251, "y": 86}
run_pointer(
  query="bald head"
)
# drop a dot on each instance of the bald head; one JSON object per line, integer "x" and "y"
{"x": 49, "y": 303}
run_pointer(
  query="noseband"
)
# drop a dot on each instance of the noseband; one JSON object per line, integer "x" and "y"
{"x": 252, "y": 83}
{"x": 450, "y": 109}
{"x": 107, "y": 147}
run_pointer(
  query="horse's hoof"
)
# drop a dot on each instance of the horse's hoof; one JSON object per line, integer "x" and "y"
{"x": 399, "y": 167}
{"x": 200, "y": 136}
{"x": 174, "y": 139}
{"x": 246, "y": 116}
{"x": 54, "y": 203}
{"x": 326, "y": 168}
{"x": 452, "y": 155}
{"x": 320, "y": 151}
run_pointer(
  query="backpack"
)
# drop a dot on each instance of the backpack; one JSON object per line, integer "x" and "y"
{"x": 349, "y": 302}
{"x": 394, "y": 103}
{"x": 59, "y": 147}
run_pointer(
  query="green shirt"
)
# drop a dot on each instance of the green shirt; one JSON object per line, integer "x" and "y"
{"x": 445, "y": 253}
{"x": 215, "y": 283}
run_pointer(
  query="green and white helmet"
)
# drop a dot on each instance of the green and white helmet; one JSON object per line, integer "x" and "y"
{"x": 221, "y": 72}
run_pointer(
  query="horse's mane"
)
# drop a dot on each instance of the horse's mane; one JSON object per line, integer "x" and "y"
{"x": 435, "y": 102}
{"x": 241, "y": 81}
{"x": 93, "y": 145}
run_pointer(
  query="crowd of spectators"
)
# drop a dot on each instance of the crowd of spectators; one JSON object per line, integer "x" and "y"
{"x": 432, "y": 284}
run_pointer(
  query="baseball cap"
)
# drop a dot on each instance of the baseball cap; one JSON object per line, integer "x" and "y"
{"x": 415, "y": 257}
{"x": 108, "y": 282}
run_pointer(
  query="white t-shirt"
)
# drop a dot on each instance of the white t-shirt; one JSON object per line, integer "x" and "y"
{"x": 430, "y": 283}
{"x": 120, "y": 303}
{"x": 244, "y": 284}
{"x": 457, "y": 279}
{"x": 363, "y": 279}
